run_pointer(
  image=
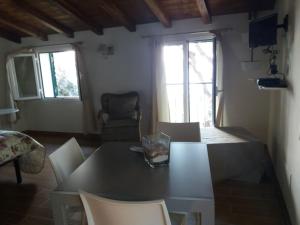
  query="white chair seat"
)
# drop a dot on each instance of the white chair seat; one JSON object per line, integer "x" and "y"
{"x": 111, "y": 212}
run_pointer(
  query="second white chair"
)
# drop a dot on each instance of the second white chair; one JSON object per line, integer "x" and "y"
{"x": 111, "y": 212}
{"x": 181, "y": 132}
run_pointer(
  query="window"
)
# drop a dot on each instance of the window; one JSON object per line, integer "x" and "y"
{"x": 23, "y": 80}
{"x": 59, "y": 74}
{"x": 189, "y": 81}
{"x": 46, "y": 74}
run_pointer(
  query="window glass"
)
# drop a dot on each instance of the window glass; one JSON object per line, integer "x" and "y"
{"x": 174, "y": 72}
{"x": 200, "y": 82}
{"x": 200, "y": 61}
{"x": 175, "y": 99}
{"x": 173, "y": 63}
{"x": 66, "y": 74}
{"x": 59, "y": 74}
{"x": 25, "y": 74}
{"x": 201, "y": 104}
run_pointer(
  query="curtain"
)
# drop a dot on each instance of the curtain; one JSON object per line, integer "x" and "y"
{"x": 219, "y": 82}
{"x": 9, "y": 96}
{"x": 160, "y": 105}
{"x": 89, "y": 115}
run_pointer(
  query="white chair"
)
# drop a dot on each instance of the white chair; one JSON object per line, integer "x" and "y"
{"x": 66, "y": 159}
{"x": 111, "y": 212}
{"x": 181, "y": 132}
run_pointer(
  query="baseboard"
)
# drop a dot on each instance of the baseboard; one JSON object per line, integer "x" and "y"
{"x": 67, "y": 135}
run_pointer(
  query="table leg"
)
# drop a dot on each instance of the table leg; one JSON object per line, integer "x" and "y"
{"x": 17, "y": 170}
{"x": 205, "y": 207}
{"x": 57, "y": 209}
{"x": 207, "y": 216}
{"x": 59, "y": 201}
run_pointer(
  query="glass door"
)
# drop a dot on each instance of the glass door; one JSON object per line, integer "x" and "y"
{"x": 189, "y": 70}
{"x": 201, "y": 79}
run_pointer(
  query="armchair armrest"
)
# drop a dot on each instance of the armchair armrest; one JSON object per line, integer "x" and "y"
{"x": 100, "y": 115}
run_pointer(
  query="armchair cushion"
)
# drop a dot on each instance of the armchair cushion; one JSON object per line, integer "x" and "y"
{"x": 121, "y": 106}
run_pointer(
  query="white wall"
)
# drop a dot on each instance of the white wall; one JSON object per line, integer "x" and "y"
{"x": 245, "y": 105}
{"x": 285, "y": 110}
{"x": 130, "y": 69}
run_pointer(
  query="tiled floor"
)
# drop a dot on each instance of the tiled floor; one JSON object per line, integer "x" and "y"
{"x": 28, "y": 204}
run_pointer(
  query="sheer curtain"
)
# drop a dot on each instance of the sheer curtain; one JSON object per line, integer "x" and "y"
{"x": 219, "y": 82}
{"x": 89, "y": 114}
{"x": 160, "y": 105}
{"x": 9, "y": 96}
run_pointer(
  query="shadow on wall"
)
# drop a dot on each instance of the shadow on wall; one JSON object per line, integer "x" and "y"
{"x": 245, "y": 105}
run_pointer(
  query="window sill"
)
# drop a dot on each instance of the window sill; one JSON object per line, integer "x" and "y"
{"x": 62, "y": 99}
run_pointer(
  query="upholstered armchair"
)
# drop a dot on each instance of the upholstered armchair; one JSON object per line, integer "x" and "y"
{"x": 120, "y": 117}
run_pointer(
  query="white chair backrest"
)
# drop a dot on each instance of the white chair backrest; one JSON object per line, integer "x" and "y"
{"x": 66, "y": 159}
{"x": 181, "y": 132}
{"x": 111, "y": 212}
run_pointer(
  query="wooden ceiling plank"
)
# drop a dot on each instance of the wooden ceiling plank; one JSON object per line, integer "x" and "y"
{"x": 158, "y": 12}
{"x": 22, "y": 27}
{"x": 10, "y": 36}
{"x": 45, "y": 19}
{"x": 205, "y": 15}
{"x": 116, "y": 13}
{"x": 73, "y": 10}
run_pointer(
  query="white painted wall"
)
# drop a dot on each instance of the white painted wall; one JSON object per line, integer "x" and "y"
{"x": 130, "y": 69}
{"x": 284, "y": 136}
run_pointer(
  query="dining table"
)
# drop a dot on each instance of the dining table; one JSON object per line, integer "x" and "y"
{"x": 114, "y": 171}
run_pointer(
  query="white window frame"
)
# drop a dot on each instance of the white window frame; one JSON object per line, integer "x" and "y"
{"x": 13, "y": 81}
{"x": 184, "y": 40}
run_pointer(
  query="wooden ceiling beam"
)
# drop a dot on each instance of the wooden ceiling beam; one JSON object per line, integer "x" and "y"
{"x": 84, "y": 18}
{"x": 44, "y": 19}
{"x": 10, "y": 36}
{"x": 24, "y": 28}
{"x": 205, "y": 15}
{"x": 159, "y": 12}
{"x": 116, "y": 13}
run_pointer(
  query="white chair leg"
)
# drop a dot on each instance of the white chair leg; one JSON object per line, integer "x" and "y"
{"x": 178, "y": 217}
{"x": 197, "y": 218}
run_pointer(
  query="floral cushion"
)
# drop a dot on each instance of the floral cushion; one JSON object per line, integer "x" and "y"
{"x": 15, "y": 144}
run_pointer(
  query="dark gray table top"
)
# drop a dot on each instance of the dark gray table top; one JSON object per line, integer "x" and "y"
{"x": 118, "y": 173}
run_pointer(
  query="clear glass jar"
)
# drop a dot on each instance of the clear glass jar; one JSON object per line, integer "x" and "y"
{"x": 156, "y": 149}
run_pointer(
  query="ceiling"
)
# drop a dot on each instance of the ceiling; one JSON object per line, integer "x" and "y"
{"x": 23, "y": 18}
